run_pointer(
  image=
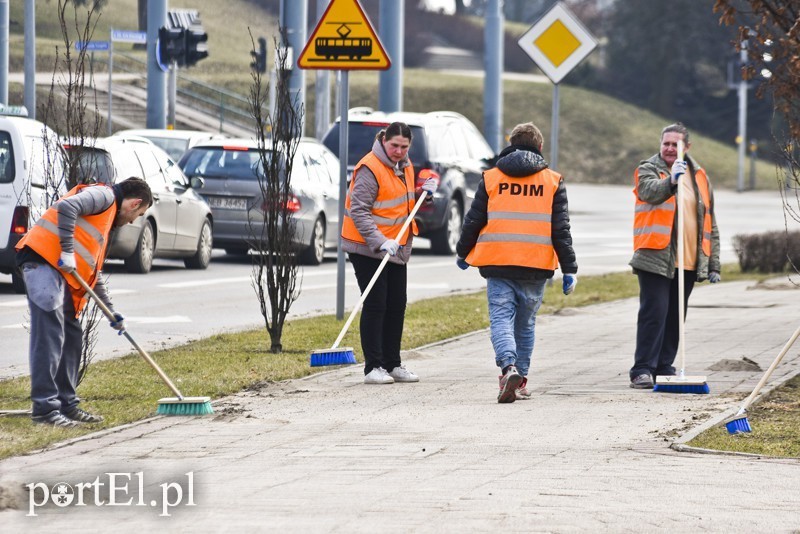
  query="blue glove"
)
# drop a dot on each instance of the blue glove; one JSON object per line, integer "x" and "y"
{"x": 390, "y": 246}
{"x": 118, "y": 323}
{"x": 678, "y": 168}
{"x": 462, "y": 264}
{"x": 714, "y": 277}
{"x": 569, "y": 282}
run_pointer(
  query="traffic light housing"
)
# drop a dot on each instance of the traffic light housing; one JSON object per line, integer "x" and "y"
{"x": 171, "y": 45}
{"x": 196, "y": 47}
{"x": 259, "y": 63}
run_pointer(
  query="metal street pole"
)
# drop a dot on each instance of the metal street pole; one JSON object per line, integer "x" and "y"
{"x": 554, "y": 129}
{"x": 156, "y": 78}
{"x": 4, "y": 21}
{"x": 30, "y": 58}
{"x": 390, "y": 81}
{"x": 344, "y": 97}
{"x": 741, "y": 138}
{"x": 493, "y": 79}
{"x": 322, "y": 91}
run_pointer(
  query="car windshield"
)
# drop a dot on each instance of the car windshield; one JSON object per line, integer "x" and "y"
{"x": 91, "y": 165}
{"x": 218, "y": 162}
{"x": 361, "y": 136}
{"x": 174, "y": 147}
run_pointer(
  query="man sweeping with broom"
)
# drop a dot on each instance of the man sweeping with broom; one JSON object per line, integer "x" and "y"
{"x": 71, "y": 237}
{"x": 517, "y": 231}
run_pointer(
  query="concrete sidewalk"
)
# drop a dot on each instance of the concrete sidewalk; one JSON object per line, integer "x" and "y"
{"x": 329, "y": 454}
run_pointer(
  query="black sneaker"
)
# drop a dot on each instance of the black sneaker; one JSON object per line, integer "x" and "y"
{"x": 642, "y": 381}
{"x": 81, "y": 416}
{"x": 54, "y": 418}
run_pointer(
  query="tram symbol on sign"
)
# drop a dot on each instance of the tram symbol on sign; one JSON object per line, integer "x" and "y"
{"x": 353, "y": 49}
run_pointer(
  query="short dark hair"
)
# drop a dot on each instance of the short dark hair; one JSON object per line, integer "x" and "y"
{"x": 395, "y": 128}
{"x": 134, "y": 187}
{"x": 678, "y": 127}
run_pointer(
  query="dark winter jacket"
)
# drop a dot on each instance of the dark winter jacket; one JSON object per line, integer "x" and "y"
{"x": 520, "y": 161}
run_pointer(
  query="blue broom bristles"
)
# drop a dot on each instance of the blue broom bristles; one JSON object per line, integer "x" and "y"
{"x": 682, "y": 388}
{"x": 739, "y": 425}
{"x": 341, "y": 356}
{"x": 174, "y": 406}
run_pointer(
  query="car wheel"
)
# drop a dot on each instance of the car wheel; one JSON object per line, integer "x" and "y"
{"x": 445, "y": 239}
{"x": 141, "y": 261}
{"x": 315, "y": 252}
{"x": 17, "y": 283}
{"x": 202, "y": 257}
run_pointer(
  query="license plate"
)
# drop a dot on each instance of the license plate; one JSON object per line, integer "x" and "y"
{"x": 230, "y": 203}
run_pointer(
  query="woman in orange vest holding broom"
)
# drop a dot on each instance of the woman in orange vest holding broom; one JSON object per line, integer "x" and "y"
{"x": 381, "y": 197}
{"x": 655, "y": 255}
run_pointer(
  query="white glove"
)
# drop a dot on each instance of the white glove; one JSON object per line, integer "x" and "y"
{"x": 390, "y": 246}
{"x": 678, "y": 168}
{"x": 569, "y": 282}
{"x": 67, "y": 262}
{"x": 430, "y": 185}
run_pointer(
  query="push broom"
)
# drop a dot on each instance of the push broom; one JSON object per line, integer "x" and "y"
{"x": 178, "y": 405}
{"x": 344, "y": 355}
{"x": 681, "y": 383}
{"x": 739, "y": 423}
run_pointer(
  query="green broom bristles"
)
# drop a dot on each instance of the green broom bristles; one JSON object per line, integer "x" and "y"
{"x": 185, "y": 406}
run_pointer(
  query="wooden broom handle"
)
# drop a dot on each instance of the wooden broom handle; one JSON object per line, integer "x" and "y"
{"x": 111, "y": 318}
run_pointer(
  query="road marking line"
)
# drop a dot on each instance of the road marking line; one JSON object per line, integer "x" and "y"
{"x": 14, "y": 303}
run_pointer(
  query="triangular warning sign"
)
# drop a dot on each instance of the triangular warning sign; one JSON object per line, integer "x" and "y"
{"x": 344, "y": 40}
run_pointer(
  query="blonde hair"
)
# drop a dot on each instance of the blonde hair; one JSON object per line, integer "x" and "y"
{"x": 527, "y": 134}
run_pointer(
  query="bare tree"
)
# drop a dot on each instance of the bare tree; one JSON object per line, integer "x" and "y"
{"x": 272, "y": 228}
{"x": 67, "y": 111}
{"x": 771, "y": 29}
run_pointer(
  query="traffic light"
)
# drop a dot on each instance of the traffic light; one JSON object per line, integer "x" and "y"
{"x": 171, "y": 45}
{"x": 259, "y": 63}
{"x": 196, "y": 47}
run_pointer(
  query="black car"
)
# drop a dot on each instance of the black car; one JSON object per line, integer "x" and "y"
{"x": 445, "y": 145}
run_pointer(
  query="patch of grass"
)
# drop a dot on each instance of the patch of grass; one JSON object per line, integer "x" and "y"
{"x": 126, "y": 389}
{"x": 775, "y": 422}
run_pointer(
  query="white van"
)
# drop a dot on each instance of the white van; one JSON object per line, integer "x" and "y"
{"x": 32, "y": 176}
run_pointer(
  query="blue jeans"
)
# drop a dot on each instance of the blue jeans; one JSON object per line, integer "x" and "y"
{"x": 56, "y": 340}
{"x": 512, "y": 316}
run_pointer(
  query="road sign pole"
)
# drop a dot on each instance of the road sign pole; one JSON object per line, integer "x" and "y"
{"x": 172, "y": 91}
{"x": 554, "y": 130}
{"x": 344, "y": 98}
{"x": 110, "y": 71}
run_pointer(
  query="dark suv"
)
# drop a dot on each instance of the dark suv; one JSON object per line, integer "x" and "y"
{"x": 446, "y": 146}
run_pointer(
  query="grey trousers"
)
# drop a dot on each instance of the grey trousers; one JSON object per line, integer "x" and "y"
{"x": 56, "y": 340}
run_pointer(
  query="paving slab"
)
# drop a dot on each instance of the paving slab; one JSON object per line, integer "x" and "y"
{"x": 329, "y": 454}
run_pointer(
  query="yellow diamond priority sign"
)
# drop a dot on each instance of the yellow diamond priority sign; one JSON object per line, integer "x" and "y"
{"x": 344, "y": 40}
{"x": 557, "y": 42}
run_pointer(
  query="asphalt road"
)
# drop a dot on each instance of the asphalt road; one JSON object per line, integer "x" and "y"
{"x": 172, "y": 305}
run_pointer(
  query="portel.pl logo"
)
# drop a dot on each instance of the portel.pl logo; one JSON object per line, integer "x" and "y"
{"x": 111, "y": 489}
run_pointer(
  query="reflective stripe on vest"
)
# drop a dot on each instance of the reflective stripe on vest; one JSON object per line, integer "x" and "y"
{"x": 653, "y": 223}
{"x": 519, "y": 221}
{"x": 392, "y": 206}
{"x": 90, "y": 241}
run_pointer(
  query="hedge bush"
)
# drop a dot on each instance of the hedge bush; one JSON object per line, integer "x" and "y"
{"x": 770, "y": 252}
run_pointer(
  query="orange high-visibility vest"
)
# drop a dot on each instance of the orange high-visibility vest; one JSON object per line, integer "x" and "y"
{"x": 519, "y": 223}
{"x": 653, "y": 223}
{"x": 90, "y": 242}
{"x": 392, "y": 206}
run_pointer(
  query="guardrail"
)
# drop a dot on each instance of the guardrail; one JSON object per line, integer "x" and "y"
{"x": 229, "y": 107}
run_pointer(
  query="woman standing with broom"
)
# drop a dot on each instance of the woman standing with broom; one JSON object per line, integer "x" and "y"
{"x": 381, "y": 197}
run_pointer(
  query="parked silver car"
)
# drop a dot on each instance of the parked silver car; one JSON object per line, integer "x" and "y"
{"x": 177, "y": 225}
{"x": 229, "y": 168}
{"x": 173, "y": 142}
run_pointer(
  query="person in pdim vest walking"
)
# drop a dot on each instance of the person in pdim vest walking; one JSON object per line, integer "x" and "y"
{"x": 517, "y": 233}
{"x": 382, "y": 195}
{"x": 655, "y": 244}
{"x": 71, "y": 236}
